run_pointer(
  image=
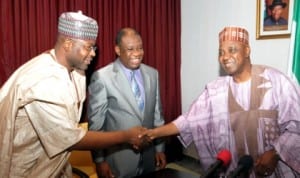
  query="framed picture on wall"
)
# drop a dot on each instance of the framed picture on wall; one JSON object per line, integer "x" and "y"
{"x": 274, "y": 19}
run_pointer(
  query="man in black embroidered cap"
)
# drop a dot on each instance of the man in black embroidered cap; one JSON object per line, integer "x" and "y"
{"x": 41, "y": 105}
{"x": 276, "y": 8}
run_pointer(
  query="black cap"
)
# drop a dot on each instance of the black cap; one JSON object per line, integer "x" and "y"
{"x": 276, "y": 3}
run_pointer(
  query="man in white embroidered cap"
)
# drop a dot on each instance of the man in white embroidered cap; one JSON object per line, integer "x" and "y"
{"x": 253, "y": 111}
{"x": 78, "y": 33}
{"x": 41, "y": 105}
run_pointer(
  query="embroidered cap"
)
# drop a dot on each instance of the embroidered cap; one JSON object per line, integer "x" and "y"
{"x": 78, "y": 26}
{"x": 234, "y": 34}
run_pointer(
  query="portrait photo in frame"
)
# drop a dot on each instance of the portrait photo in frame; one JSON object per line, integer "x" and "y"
{"x": 274, "y": 19}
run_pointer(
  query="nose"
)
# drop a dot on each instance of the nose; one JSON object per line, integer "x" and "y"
{"x": 137, "y": 52}
{"x": 225, "y": 56}
{"x": 93, "y": 52}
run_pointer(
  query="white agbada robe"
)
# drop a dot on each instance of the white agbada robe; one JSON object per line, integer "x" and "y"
{"x": 207, "y": 123}
{"x": 39, "y": 113}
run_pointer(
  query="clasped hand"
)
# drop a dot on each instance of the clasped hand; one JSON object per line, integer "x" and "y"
{"x": 138, "y": 137}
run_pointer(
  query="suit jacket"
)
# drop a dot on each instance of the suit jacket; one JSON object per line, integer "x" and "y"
{"x": 112, "y": 106}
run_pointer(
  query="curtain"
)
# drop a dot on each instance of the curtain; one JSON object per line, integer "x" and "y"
{"x": 29, "y": 27}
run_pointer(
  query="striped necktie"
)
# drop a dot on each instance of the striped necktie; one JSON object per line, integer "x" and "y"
{"x": 136, "y": 91}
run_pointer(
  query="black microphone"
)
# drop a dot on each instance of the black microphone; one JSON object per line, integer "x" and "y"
{"x": 244, "y": 165}
{"x": 223, "y": 160}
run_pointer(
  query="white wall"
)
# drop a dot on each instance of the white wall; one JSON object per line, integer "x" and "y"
{"x": 201, "y": 22}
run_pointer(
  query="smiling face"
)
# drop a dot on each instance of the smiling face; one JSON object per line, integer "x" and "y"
{"x": 234, "y": 59}
{"x": 277, "y": 12}
{"x": 130, "y": 50}
{"x": 81, "y": 54}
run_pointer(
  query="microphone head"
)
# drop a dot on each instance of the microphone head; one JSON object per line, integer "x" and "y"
{"x": 246, "y": 161}
{"x": 225, "y": 157}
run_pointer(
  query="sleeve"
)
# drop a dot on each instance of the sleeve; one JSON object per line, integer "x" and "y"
{"x": 97, "y": 107}
{"x": 185, "y": 136}
{"x": 54, "y": 115}
{"x": 158, "y": 117}
{"x": 189, "y": 122}
{"x": 288, "y": 143}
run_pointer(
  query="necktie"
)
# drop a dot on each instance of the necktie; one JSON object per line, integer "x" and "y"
{"x": 137, "y": 92}
{"x": 139, "y": 98}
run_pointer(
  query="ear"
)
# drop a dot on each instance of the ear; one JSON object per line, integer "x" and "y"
{"x": 68, "y": 44}
{"x": 117, "y": 50}
{"x": 248, "y": 50}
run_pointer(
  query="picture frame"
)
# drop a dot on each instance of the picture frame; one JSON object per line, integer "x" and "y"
{"x": 267, "y": 11}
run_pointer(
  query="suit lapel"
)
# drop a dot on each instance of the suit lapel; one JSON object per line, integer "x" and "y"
{"x": 123, "y": 85}
{"x": 146, "y": 82}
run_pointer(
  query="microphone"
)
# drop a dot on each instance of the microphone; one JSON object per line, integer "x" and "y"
{"x": 223, "y": 160}
{"x": 245, "y": 163}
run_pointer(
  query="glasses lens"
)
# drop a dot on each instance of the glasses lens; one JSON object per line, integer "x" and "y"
{"x": 94, "y": 48}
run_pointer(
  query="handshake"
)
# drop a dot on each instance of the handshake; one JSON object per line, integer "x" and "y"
{"x": 140, "y": 137}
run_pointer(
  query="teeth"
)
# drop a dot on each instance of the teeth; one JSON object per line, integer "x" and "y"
{"x": 229, "y": 62}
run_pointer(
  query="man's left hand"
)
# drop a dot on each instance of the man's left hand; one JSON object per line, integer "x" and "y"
{"x": 265, "y": 164}
{"x": 160, "y": 159}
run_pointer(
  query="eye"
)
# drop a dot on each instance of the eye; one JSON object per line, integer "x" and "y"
{"x": 221, "y": 52}
{"x": 233, "y": 50}
{"x": 129, "y": 49}
{"x": 94, "y": 48}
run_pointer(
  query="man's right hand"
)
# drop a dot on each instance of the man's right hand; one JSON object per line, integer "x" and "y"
{"x": 103, "y": 170}
{"x": 137, "y": 142}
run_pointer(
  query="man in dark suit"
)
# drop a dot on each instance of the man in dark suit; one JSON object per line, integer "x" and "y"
{"x": 116, "y": 104}
{"x": 276, "y": 18}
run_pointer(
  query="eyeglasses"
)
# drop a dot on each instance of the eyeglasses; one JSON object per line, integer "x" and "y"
{"x": 87, "y": 47}
{"x": 90, "y": 48}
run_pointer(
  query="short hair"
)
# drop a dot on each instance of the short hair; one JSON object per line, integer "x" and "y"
{"x": 123, "y": 32}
